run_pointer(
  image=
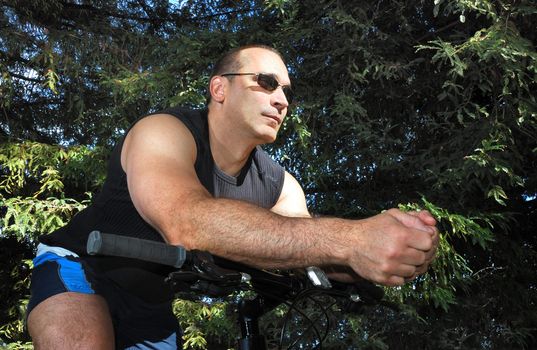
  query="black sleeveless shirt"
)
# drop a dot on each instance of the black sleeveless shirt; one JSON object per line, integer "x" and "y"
{"x": 260, "y": 182}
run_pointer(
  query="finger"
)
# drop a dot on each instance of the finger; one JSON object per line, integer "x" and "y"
{"x": 411, "y": 220}
{"x": 419, "y": 239}
{"x": 390, "y": 276}
{"x": 426, "y": 217}
{"x": 402, "y": 279}
{"x": 401, "y": 270}
{"x": 408, "y": 279}
{"x": 412, "y": 256}
{"x": 429, "y": 255}
{"x": 421, "y": 269}
{"x": 394, "y": 281}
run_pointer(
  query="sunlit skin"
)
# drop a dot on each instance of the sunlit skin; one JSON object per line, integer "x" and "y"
{"x": 242, "y": 114}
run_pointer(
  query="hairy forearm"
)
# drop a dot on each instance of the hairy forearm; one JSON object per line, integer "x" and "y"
{"x": 388, "y": 248}
{"x": 243, "y": 232}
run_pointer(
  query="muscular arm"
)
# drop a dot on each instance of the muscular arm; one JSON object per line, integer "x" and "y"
{"x": 158, "y": 157}
{"x": 292, "y": 201}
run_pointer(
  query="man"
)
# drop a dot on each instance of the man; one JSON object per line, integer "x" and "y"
{"x": 199, "y": 179}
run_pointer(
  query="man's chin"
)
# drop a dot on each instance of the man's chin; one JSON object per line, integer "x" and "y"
{"x": 268, "y": 137}
{"x": 267, "y": 141}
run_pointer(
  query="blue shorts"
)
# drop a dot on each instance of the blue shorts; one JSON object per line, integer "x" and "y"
{"x": 137, "y": 324}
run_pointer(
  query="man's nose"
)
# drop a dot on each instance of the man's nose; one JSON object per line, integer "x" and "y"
{"x": 279, "y": 99}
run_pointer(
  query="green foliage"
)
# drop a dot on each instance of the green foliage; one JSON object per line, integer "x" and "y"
{"x": 13, "y": 331}
{"x": 430, "y": 103}
{"x": 18, "y": 346}
{"x": 28, "y": 218}
{"x": 449, "y": 270}
{"x": 14, "y": 273}
{"x": 39, "y": 169}
{"x": 30, "y": 171}
{"x": 203, "y": 321}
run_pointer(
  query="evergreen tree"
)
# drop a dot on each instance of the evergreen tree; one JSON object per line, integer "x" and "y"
{"x": 415, "y": 104}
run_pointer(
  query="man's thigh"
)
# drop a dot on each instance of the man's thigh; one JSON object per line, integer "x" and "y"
{"x": 64, "y": 311}
{"x": 71, "y": 320}
{"x": 76, "y": 307}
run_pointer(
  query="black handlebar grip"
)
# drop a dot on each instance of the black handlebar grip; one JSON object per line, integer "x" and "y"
{"x": 136, "y": 248}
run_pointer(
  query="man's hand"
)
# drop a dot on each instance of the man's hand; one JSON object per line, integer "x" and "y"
{"x": 394, "y": 246}
{"x": 427, "y": 219}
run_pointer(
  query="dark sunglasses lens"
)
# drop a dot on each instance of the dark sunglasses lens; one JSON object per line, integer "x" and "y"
{"x": 267, "y": 82}
{"x": 270, "y": 83}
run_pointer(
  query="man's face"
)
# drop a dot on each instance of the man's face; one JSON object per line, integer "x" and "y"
{"x": 257, "y": 112}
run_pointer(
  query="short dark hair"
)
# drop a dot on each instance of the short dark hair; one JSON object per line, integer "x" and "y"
{"x": 229, "y": 62}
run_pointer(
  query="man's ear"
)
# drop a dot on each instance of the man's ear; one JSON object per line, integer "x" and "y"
{"x": 217, "y": 88}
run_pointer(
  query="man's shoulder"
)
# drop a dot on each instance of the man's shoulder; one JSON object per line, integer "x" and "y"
{"x": 194, "y": 119}
{"x": 184, "y": 112}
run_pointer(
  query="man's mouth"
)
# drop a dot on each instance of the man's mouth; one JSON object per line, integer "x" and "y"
{"x": 275, "y": 117}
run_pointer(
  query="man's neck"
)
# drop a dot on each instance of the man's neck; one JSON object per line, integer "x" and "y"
{"x": 230, "y": 150}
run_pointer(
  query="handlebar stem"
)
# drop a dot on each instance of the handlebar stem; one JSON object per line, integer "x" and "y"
{"x": 249, "y": 311}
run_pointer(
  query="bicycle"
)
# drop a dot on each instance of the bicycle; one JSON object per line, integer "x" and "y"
{"x": 199, "y": 273}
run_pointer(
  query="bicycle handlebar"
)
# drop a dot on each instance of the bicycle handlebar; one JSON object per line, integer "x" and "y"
{"x": 130, "y": 247}
{"x": 202, "y": 273}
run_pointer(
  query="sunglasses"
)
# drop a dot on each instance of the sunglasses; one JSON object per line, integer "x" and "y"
{"x": 267, "y": 82}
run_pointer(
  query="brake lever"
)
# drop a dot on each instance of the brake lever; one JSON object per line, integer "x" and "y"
{"x": 205, "y": 277}
{"x": 203, "y": 262}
